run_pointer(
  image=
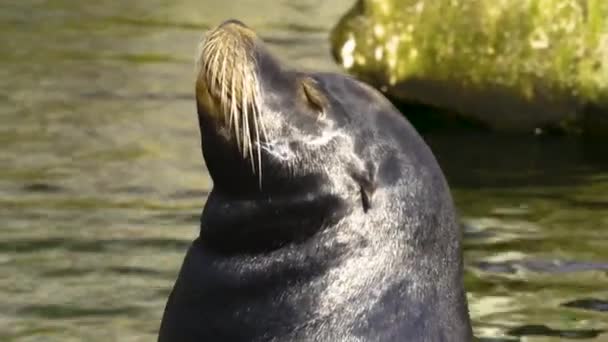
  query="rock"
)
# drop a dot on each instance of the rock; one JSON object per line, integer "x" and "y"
{"x": 510, "y": 65}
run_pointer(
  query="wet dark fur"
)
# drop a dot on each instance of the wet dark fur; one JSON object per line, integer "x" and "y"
{"x": 358, "y": 243}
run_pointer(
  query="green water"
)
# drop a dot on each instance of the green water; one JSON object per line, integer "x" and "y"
{"x": 102, "y": 181}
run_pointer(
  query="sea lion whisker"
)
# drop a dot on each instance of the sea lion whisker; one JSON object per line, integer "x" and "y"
{"x": 234, "y": 113}
{"x": 260, "y": 128}
{"x": 247, "y": 149}
{"x": 213, "y": 70}
{"x": 243, "y": 112}
{"x": 255, "y": 113}
{"x": 251, "y": 138}
{"x": 209, "y": 51}
{"x": 223, "y": 89}
{"x": 257, "y": 104}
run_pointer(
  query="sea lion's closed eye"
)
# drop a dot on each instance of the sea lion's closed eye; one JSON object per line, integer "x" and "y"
{"x": 314, "y": 97}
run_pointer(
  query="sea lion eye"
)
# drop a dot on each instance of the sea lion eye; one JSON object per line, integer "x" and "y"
{"x": 314, "y": 97}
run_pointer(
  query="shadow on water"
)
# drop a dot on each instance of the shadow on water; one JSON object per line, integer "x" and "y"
{"x": 92, "y": 246}
{"x": 592, "y": 304}
{"x": 482, "y": 160}
{"x": 116, "y": 270}
{"x": 541, "y": 330}
{"x": 66, "y": 311}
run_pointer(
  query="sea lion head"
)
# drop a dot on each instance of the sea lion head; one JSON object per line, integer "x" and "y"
{"x": 266, "y": 129}
{"x": 294, "y": 152}
{"x": 274, "y": 138}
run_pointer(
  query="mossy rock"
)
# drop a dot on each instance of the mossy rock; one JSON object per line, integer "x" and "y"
{"x": 511, "y": 65}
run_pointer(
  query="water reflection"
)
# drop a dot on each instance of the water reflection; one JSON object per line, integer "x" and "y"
{"x": 102, "y": 180}
{"x": 534, "y": 212}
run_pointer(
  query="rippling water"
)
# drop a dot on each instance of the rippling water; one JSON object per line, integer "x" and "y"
{"x": 102, "y": 180}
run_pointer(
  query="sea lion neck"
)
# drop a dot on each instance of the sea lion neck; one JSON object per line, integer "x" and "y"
{"x": 262, "y": 223}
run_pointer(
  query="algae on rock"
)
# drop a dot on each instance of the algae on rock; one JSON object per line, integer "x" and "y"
{"x": 509, "y": 64}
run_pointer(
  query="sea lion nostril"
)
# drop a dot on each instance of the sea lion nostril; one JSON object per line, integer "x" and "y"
{"x": 232, "y": 22}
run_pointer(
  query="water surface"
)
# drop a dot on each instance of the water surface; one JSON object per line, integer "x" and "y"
{"x": 102, "y": 180}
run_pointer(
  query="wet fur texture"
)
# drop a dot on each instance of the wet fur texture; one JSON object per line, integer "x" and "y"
{"x": 352, "y": 237}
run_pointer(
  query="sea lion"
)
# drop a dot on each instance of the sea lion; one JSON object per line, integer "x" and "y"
{"x": 329, "y": 217}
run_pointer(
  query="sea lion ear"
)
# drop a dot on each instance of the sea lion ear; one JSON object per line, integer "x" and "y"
{"x": 314, "y": 96}
{"x": 366, "y": 178}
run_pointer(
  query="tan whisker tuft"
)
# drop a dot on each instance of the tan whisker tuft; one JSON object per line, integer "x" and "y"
{"x": 229, "y": 73}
